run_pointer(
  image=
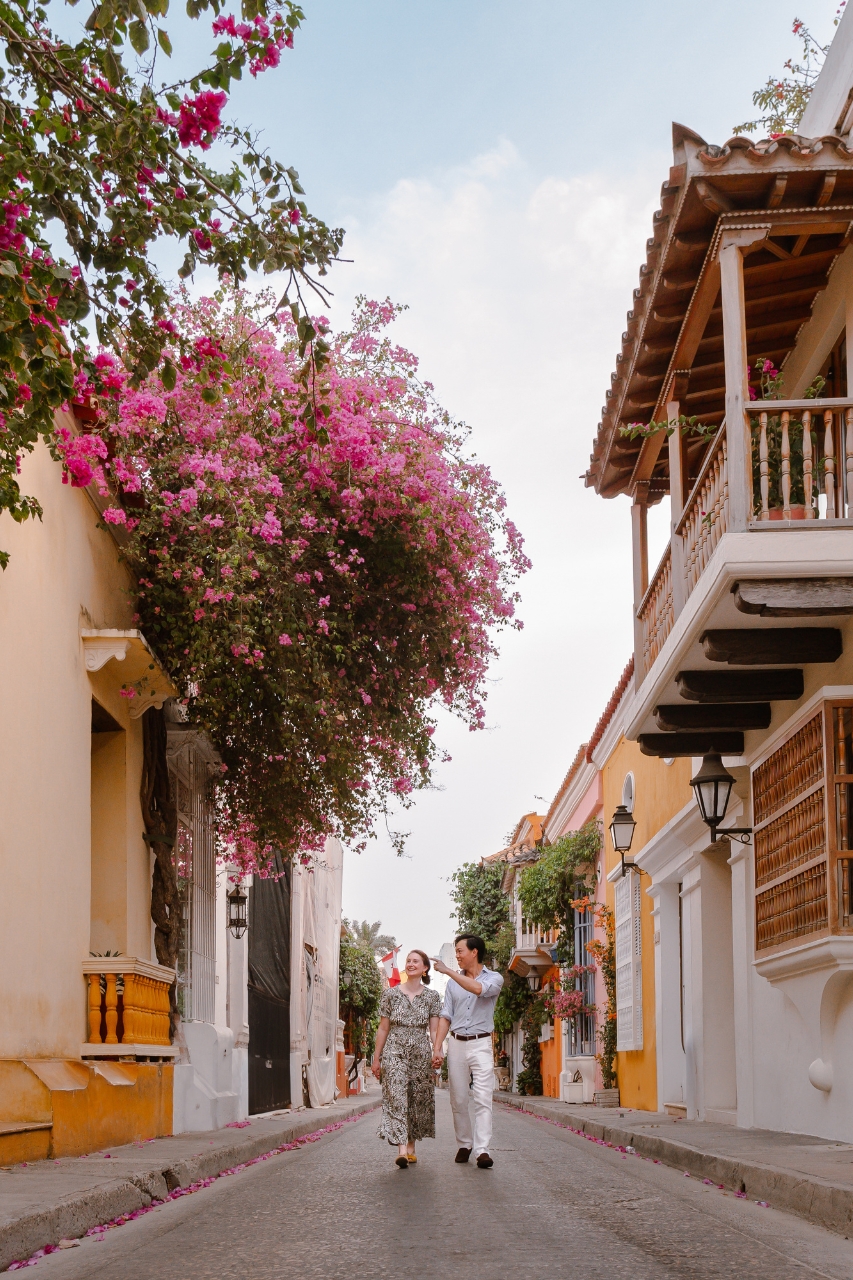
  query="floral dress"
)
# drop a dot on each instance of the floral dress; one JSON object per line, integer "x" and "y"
{"x": 408, "y": 1084}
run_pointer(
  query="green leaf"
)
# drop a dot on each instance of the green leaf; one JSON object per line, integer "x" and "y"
{"x": 112, "y": 67}
{"x": 168, "y": 375}
{"x": 164, "y": 42}
{"x": 7, "y": 267}
{"x": 139, "y": 37}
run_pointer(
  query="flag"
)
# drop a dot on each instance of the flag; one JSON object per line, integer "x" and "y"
{"x": 389, "y": 965}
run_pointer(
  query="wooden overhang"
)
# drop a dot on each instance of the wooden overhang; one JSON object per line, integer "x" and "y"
{"x": 801, "y": 189}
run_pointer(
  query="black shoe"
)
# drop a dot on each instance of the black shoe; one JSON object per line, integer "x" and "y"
{"x": 401, "y": 1162}
{"x": 484, "y": 1160}
{"x": 462, "y": 1155}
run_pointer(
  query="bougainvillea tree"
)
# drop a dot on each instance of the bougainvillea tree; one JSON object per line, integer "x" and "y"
{"x": 104, "y": 158}
{"x": 317, "y": 574}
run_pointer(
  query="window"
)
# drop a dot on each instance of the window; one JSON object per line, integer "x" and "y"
{"x": 582, "y": 1028}
{"x": 629, "y": 974}
{"x": 196, "y": 868}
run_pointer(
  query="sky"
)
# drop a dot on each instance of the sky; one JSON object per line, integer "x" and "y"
{"x": 496, "y": 166}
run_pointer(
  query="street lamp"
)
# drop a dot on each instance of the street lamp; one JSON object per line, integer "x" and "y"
{"x": 237, "y": 917}
{"x": 712, "y": 787}
{"x": 622, "y": 826}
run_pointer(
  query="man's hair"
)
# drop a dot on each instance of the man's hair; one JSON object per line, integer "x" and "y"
{"x": 474, "y": 943}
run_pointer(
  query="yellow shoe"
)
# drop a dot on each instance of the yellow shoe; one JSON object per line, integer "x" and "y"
{"x": 411, "y": 1159}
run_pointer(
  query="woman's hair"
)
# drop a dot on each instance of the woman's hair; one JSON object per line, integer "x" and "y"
{"x": 415, "y": 951}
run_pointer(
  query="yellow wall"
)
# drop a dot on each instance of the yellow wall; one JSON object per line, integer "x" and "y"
{"x": 551, "y": 1056}
{"x": 660, "y": 791}
{"x": 65, "y": 574}
{"x": 88, "y": 1106}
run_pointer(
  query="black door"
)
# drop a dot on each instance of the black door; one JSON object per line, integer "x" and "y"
{"x": 269, "y": 992}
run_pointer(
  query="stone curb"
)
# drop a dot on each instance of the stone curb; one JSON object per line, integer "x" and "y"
{"x": 73, "y": 1215}
{"x": 816, "y": 1199}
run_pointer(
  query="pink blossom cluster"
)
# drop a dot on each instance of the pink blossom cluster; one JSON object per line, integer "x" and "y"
{"x": 264, "y": 42}
{"x": 200, "y": 118}
{"x": 330, "y": 551}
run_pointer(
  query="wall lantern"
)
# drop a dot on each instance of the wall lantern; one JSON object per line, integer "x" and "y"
{"x": 237, "y": 917}
{"x": 534, "y": 981}
{"x": 347, "y": 976}
{"x": 622, "y": 826}
{"x": 712, "y": 787}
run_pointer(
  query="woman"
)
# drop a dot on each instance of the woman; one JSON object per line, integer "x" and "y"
{"x": 405, "y": 1044}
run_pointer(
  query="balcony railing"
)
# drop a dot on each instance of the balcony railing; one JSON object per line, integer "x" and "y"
{"x": 128, "y": 1006}
{"x": 705, "y": 516}
{"x": 796, "y": 468}
{"x": 656, "y": 614}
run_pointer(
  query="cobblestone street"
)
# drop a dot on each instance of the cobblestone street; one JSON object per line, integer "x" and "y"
{"x": 553, "y": 1205}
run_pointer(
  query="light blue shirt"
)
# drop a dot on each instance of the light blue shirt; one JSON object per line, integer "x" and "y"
{"x": 471, "y": 1015}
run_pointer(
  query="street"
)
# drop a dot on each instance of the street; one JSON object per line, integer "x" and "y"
{"x": 553, "y": 1205}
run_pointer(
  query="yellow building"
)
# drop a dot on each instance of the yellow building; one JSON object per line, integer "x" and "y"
{"x": 654, "y": 792}
{"x": 86, "y": 1057}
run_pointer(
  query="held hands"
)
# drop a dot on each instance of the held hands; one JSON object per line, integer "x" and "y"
{"x": 437, "y": 1059}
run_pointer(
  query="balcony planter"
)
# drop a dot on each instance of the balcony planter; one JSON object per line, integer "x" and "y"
{"x": 798, "y": 512}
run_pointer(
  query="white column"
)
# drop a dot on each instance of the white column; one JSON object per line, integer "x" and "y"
{"x": 737, "y": 387}
{"x": 670, "y": 1052}
{"x": 691, "y": 929}
{"x": 742, "y": 955}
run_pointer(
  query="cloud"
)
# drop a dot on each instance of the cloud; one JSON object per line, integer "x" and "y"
{"x": 517, "y": 290}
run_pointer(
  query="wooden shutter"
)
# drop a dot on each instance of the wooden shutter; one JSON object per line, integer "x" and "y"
{"x": 629, "y": 975}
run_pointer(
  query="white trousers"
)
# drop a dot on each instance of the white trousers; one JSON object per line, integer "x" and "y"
{"x": 467, "y": 1061}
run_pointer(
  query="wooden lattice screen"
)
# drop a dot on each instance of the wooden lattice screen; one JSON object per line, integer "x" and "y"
{"x": 802, "y": 799}
{"x": 789, "y": 804}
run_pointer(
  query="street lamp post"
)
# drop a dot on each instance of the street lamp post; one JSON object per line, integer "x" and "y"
{"x": 237, "y": 918}
{"x": 712, "y": 787}
{"x": 622, "y": 826}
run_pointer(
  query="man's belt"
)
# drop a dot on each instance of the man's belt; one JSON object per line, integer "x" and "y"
{"x": 481, "y": 1035}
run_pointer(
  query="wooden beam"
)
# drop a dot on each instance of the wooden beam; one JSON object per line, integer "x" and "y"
{"x": 827, "y": 188}
{"x": 670, "y": 718}
{"x": 777, "y": 191}
{"x": 780, "y": 646}
{"x": 699, "y": 743}
{"x": 741, "y": 686}
{"x": 695, "y": 322}
{"x": 713, "y": 198}
{"x": 802, "y": 241}
{"x": 776, "y": 250}
{"x": 795, "y": 597}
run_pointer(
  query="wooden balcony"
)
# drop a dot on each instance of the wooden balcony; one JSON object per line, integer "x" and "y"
{"x": 127, "y": 1008}
{"x": 800, "y": 452}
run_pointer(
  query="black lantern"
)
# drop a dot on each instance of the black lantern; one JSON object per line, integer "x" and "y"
{"x": 534, "y": 980}
{"x": 712, "y": 787}
{"x": 237, "y": 917}
{"x": 347, "y": 977}
{"x": 622, "y": 826}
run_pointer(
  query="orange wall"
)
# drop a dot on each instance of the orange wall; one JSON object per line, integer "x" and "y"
{"x": 660, "y": 791}
{"x": 551, "y": 1055}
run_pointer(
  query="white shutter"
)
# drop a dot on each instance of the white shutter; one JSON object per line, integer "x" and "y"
{"x": 629, "y": 975}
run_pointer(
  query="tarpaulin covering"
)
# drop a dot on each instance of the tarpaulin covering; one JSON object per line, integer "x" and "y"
{"x": 269, "y": 991}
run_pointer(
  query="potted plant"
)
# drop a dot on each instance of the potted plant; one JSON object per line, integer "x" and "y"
{"x": 769, "y": 387}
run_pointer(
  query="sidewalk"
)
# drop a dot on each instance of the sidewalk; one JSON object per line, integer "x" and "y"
{"x": 812, "y": 1177}
{"x": 52, "y": 1200}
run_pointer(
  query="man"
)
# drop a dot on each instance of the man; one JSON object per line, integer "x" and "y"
{"x": 468, "y": 1012}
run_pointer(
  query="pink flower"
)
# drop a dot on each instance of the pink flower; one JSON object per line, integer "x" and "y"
{"x": 285, "y": 639}
{"x": 114, "y": 515}
{"x": 200, "y": 120}
{"x": 294, "y": 215}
